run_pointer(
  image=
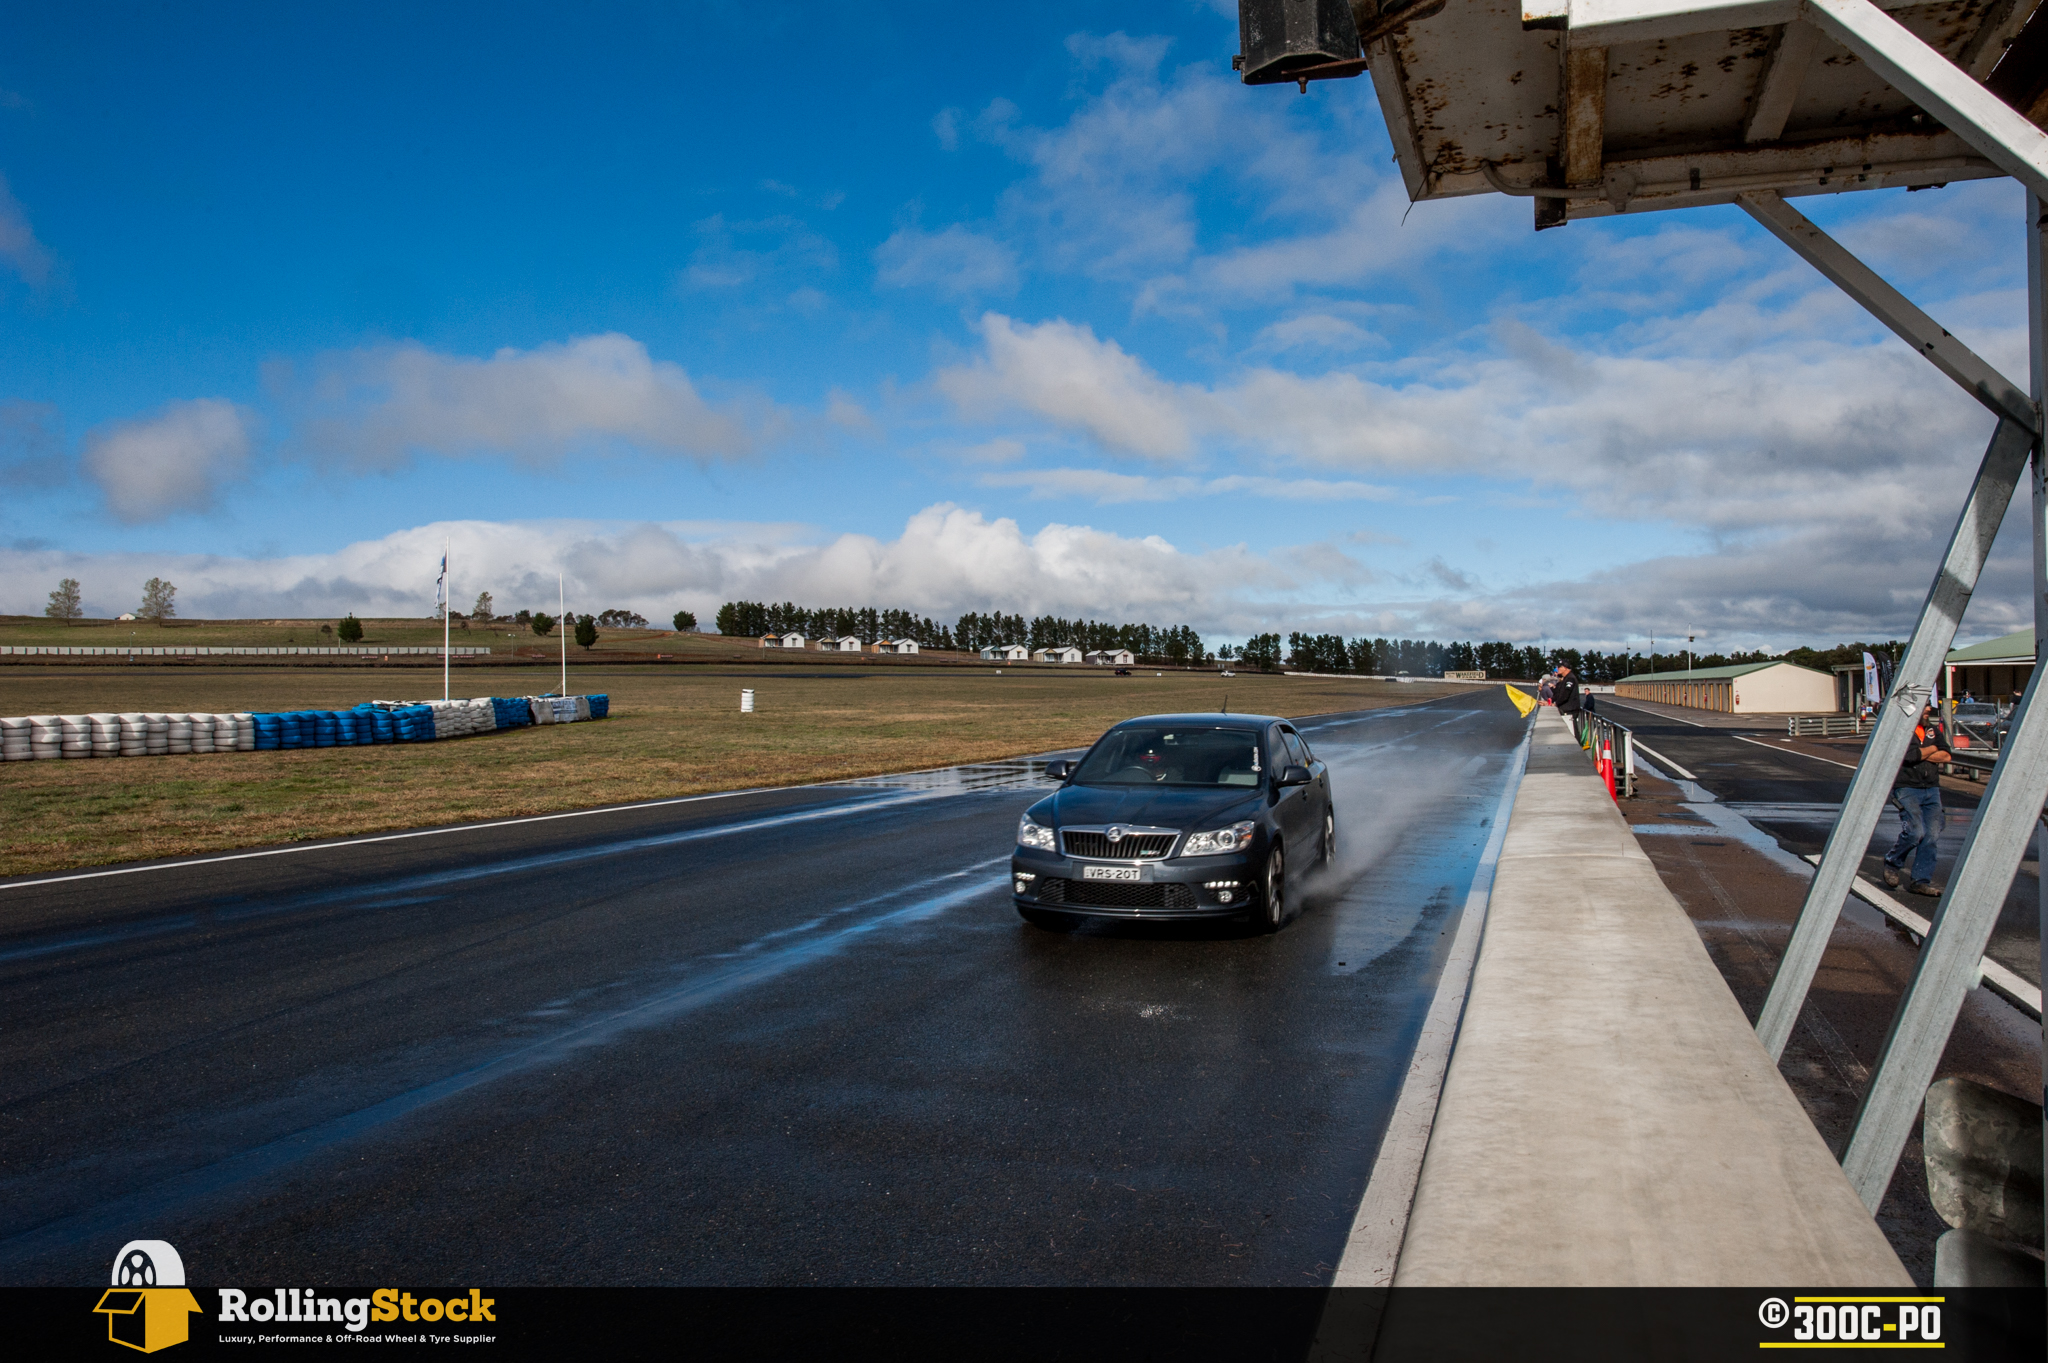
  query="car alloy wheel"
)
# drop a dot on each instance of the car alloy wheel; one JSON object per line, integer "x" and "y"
{"x": 1276, "y": 892}
{"x": 1329, "y": 847}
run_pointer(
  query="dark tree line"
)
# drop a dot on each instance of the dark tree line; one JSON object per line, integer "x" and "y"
{"x": 970, "y": 633}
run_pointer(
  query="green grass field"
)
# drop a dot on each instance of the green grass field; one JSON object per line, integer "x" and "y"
{"x": 674, "y": 731}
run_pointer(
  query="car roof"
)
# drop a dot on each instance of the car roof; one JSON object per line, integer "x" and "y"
{"x": 1209, "y": 721}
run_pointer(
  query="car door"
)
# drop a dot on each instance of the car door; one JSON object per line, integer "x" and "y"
{"x": 1319, "y": 793}
{"x": 1298, "y": 808}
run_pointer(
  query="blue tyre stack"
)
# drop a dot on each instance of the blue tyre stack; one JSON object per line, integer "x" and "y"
{"x": 268, "y": 737}
{"x": 413, "y": 723}
{"x": 326, "y": 728}
{"x": 511, "y": 713}
{"x": 600, "y": 706}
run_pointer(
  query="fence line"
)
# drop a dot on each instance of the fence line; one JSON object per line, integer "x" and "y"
{"x": 229, "y": 651}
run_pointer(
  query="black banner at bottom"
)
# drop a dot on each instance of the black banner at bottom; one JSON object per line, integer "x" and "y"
{"x": 1042, "y": 1325}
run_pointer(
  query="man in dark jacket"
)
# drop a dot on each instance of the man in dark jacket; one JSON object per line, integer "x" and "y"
{"x": 1917, "y": 793}
{"x": 1565, "y": 692}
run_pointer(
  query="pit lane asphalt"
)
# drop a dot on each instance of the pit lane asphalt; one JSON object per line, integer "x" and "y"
{"x": 788, "y": 1037}
{"x": 1796, "y": 798}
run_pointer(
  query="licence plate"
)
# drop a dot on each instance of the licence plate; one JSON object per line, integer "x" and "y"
{"x": 1109, "y": 873}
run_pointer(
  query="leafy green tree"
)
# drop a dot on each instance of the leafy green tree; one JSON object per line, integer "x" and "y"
{"x": 685, "y": 622}
{"x": 586, "y": 631}
{"x": 350, "y": 630}
{"x": 543, "y": 624}
{"x": 64, "y": 603}
{"x": 158, "y": 600}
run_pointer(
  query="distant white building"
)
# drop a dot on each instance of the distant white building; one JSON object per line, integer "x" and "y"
{"x": 1065, "y": 654}
{"x": 845, "y": 643}
{"x": 1006, "y": 653}
{"x": 1112, "y": 657}
{"x": 896, "y": 646}
{"x": 125, "y": 615}
{"x": 790, "y": 640}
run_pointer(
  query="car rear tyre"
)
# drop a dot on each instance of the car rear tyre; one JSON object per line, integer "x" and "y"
{"x": 1050, "y": 920}
{"x": 1275, "y": 893}
{"x": 1327, "y": 853}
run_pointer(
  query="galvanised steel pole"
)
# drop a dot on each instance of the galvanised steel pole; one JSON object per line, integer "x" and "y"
{"x": 2007, "y": 818}
{"x": 1871, "y": 787}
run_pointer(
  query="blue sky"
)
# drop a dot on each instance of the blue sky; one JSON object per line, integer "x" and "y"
{"x": 928, "y": 306}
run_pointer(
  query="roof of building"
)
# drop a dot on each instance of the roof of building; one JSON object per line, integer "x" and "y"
{"x": 2017, "y": 647}
{"x": 1718, "y": 673}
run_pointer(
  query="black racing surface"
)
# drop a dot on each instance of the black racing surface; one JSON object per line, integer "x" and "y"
{"x": 1736, "y": 764}
{"x": 789, "y": 1037}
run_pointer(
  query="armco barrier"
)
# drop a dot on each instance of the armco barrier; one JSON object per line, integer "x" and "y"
{"x": 140, "y": 734}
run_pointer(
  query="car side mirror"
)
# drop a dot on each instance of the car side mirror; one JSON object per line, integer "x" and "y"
{"x": 1291, "y": 775}
{"x": 1059, "y": 770}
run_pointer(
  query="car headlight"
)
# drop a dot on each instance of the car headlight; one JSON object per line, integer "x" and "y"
{"x": 1235, "y": 838}
{"x": 1036, "y": 835}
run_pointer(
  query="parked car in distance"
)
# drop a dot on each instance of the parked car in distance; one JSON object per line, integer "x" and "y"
{"x": 1177, "y": 817}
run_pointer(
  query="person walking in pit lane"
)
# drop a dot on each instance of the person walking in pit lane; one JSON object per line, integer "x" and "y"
{"x": 1917, "y": 793}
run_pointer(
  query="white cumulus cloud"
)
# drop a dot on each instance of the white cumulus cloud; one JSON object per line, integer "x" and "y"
{"x": 174, "y": 460}
{"x": 378, "y": 407}
{"x": 1063, "y": 373}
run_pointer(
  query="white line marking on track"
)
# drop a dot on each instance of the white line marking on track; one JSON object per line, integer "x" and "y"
{"x": 1655, "y": 756}
{"x": 296, "y": 848}
{"x": 1658, "y": 714}
{"x": 1374, "y": 1245}
{"x": 1794, "y": 751}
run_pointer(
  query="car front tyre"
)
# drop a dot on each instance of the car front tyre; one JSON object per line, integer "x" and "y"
{"x": 1275, "y": 894}
{"x": 1327, "y": 853}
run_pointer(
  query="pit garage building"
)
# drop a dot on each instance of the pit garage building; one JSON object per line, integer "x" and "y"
{"x": 1995, "y": 670}
{"x": 1774, "y": 688}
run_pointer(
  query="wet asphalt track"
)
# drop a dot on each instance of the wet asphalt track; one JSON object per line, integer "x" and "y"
{"x": 785, "y": 1038}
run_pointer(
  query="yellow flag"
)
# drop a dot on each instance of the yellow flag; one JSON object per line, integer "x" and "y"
{"x": 1524, "y": 702}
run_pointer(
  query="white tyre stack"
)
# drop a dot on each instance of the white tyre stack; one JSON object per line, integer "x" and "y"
{"x": 45, "y": 737}
{"x": 134, "y": 734}
{"x": 106, "y": 735}
{"x": 202, "y": 731}
{"x": 180, "y": 733}
{"x": 77, "y": 733}
{"x": 14, "y": 740}
{"x": 158, "y": 728}
{"x": 245, "y": 730}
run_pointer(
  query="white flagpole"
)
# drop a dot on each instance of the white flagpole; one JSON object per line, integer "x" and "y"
{"x": 562, "y": 605}
{"x": 447, "y": 604}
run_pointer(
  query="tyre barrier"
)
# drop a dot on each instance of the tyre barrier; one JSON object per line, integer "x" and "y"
{"x": 137, "y": 733}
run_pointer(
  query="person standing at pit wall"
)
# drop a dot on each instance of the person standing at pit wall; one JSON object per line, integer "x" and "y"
{"x": 1917, "y": 792}
{"x": 1564, "y": 692}
{"x": 1543, "y": 687}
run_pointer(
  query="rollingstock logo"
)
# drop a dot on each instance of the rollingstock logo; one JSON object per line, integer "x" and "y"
{"x": 300, "y": 1306}
{"x": 149, "y": 1306}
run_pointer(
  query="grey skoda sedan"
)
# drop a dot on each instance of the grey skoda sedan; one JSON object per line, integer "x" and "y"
{"x": 1176, "y": 817}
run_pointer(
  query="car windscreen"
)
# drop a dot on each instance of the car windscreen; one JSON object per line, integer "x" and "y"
{"x": 1169, "y": 755}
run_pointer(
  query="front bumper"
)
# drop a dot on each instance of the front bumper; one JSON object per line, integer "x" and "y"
{"x": 1222, "y": 886}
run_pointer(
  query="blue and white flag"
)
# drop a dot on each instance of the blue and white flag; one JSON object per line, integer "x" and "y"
{"x": 441, "y": 583}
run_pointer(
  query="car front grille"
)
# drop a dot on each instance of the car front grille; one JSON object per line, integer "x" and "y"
{"x": 1132, "y": 846}
{"x": 1114, "y": 894}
